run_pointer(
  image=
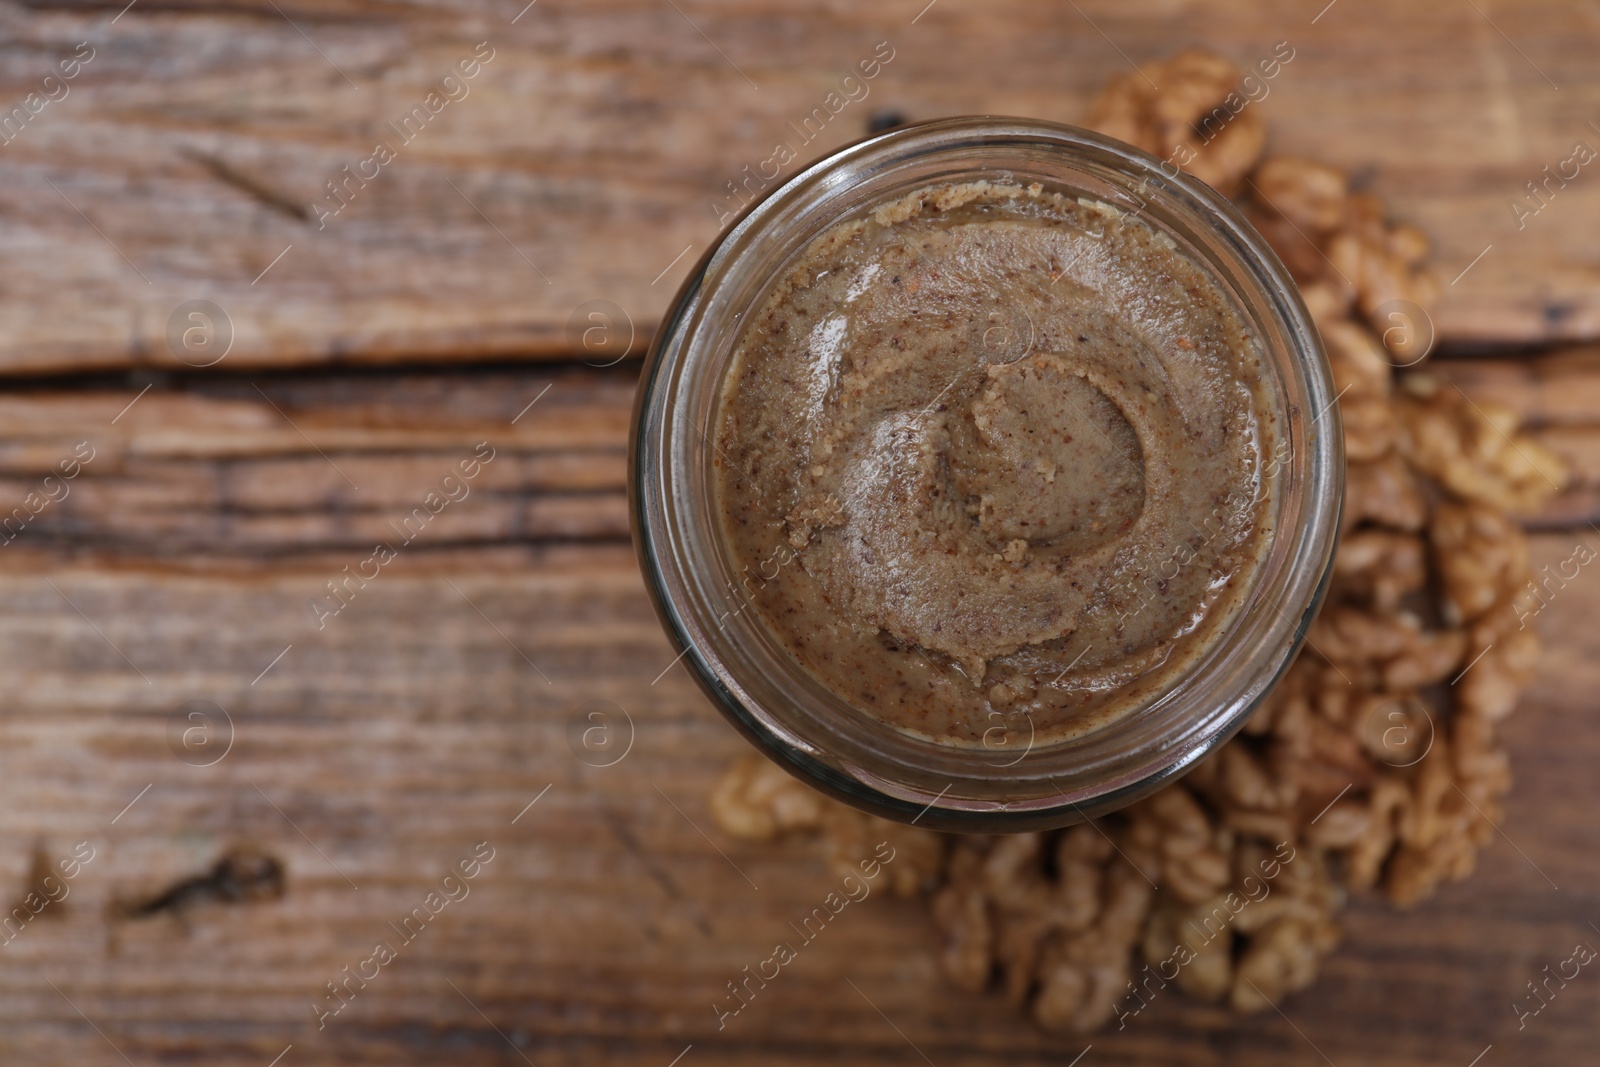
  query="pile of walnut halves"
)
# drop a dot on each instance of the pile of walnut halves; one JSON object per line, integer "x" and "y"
{"x": 1373, "y": 764}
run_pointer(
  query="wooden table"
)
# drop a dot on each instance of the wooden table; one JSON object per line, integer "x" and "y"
{"x": 371, "y": 752}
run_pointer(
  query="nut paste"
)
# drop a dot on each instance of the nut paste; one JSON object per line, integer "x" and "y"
{"x": 997, "y": 455}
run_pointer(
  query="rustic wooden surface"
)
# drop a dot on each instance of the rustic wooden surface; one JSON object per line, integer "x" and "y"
{"x": 584, "y": 162}
{"x": 369, "y": 755}
{"x": 427, "y": 715}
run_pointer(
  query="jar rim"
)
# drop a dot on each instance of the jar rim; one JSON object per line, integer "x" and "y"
{"x": 870, "y": 764}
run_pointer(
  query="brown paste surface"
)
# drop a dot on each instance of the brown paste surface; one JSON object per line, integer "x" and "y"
{"x": 994, "y": 463}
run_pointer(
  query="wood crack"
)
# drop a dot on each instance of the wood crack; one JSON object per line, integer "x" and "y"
{"x": 251, "y": 186}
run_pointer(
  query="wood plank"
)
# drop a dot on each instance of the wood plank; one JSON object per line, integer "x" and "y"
{"x": 231, "y": 467}
{"x": 384, "y": 748}
{"x": 589, "y": 159}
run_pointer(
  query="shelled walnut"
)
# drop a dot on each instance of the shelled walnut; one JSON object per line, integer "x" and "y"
{"x": 1346, "y": 256}
{"x": 757, "y": 800}
{"x": 1196, "y": 119}
{"x": 1472, "y": 448}
{"x": 1058, "y": 935}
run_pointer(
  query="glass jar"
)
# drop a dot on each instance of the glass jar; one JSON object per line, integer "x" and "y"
{"x": 789, "y": 714}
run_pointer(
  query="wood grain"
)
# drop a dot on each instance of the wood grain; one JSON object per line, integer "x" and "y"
{"x": 230, "y": 467}
{"x": 371, "y": 754}
{"x": 589, "y": 159}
